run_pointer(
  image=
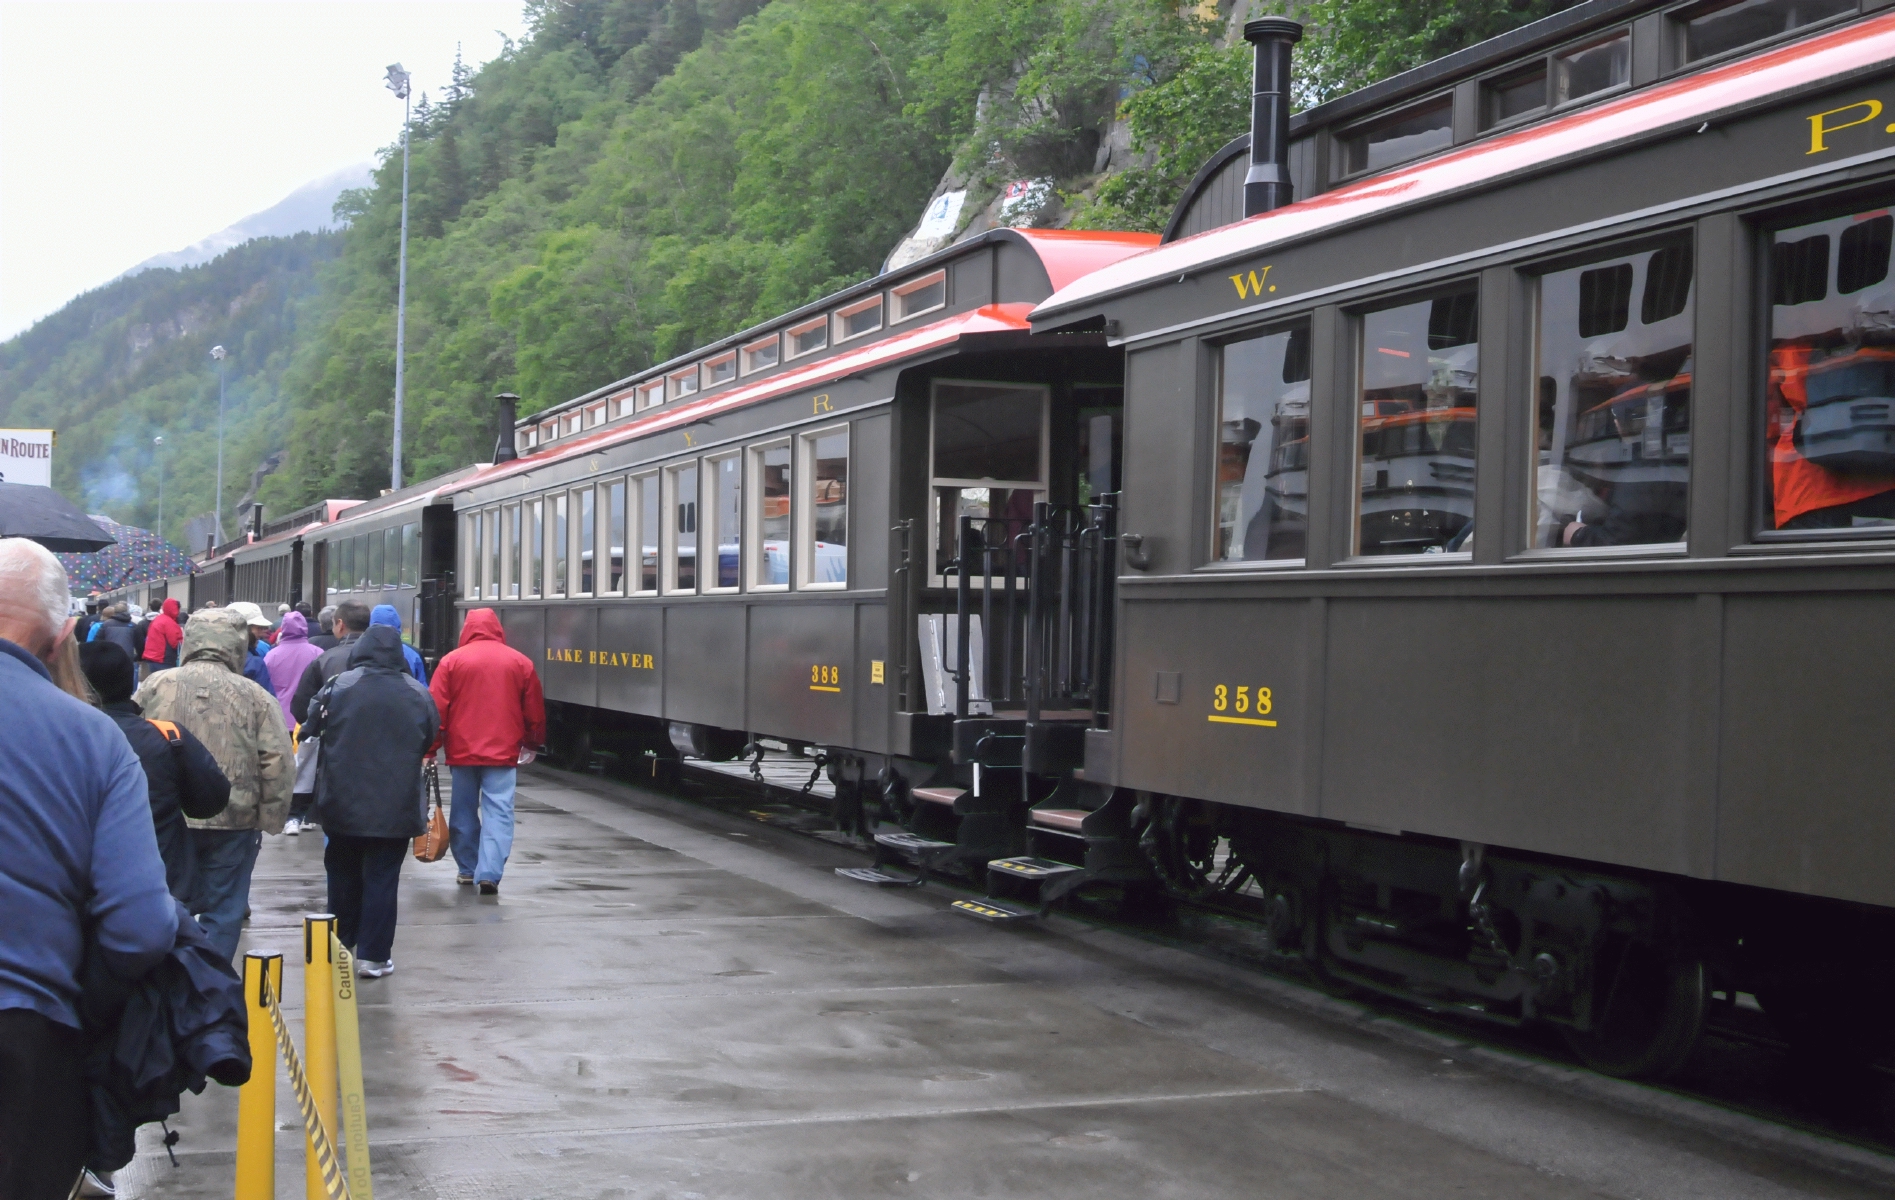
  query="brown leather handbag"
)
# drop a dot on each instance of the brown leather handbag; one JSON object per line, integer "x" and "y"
{"x": 432, "y": 845}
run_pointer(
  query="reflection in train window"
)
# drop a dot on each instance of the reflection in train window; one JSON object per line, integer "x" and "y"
{"x": 512, "y": 552}
{"x": 770, "y": 516}
{"x": 989, "y": 462}
{"x": 411, "y": 555}
{"x": 822, "y": 543}
{"x": 372, "y": 578}
{"x": 470, "y": 554}
{"x": 556, "y": 539}
{"x": 493, "y": 553}
{"x": 391, "y": 557}
{"x": 650, "y": 515}
{"x": 1829, "y": 405}
{"x": 585, "y": 537}
{"x": 1613, "y": 453}
{"x": 681, "y": 482}
{"x": 1263, "y": 447}
{"x": 615, "y": 535}
{"x": 534, "y": 555}
{"x": 1516, "y": 95}
{"x": 1420, "y": 373}
{"x": 726, "y": 532}
{"x": 1592, "y": 69}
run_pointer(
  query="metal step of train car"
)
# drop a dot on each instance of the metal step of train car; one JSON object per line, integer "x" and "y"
{"x": 1081, "y": 834}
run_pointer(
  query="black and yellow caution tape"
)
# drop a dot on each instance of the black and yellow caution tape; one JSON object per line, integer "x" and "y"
{"x": 354, "y": 1116}
{"x": 333, "y": 1181}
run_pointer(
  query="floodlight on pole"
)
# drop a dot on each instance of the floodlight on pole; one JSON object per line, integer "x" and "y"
{"x": 220, "y": 354}
{"x": 398, "y": 84}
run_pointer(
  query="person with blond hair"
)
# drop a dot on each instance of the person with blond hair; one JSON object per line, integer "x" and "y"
{"x": 77, "y": 852}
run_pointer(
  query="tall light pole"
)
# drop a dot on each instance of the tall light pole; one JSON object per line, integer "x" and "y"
{"x": 220, "y": 354}
{"x": 398, "y": 84}
{"x": 158, "y": 449}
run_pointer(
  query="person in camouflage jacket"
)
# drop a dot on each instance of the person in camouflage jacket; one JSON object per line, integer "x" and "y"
{"x": 242, "y": 726}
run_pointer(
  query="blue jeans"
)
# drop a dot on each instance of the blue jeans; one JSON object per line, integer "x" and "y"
{"x": 225, "y": 859}
{"x": 480, "y": 821}
{"x": 364, "y": 880}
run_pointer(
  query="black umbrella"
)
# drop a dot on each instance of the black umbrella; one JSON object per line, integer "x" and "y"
{"x": 45, "y": 516}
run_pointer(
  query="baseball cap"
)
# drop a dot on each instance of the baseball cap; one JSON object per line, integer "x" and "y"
{"x": 252, "y": 615}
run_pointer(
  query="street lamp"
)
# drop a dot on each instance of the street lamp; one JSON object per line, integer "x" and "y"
{"x": 398, "y": 84}
{"x": 158, "y": 449}
{"x": 220, "y": 354}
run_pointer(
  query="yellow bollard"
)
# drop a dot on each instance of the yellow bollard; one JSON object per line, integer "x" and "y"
{"x": 256, "y": 1100}
{"x": 319, "y": 1032}
{"x": 349, "y": 1061}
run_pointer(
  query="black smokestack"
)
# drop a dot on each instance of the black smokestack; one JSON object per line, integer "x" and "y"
{"x": 1267, "y": 183}
{"x": 503, "y": 450}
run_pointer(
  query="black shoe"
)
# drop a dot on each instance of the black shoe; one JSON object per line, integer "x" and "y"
{"x": 489, "y": 887}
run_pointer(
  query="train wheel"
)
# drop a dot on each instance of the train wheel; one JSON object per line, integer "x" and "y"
{"x": 1650, "y": 1011}
{"x": 1187, "y": 850}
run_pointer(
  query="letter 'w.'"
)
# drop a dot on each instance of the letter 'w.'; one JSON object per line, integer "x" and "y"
{"x": 1255, "y": 281}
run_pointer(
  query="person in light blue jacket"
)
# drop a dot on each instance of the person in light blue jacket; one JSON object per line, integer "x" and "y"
{"x": 77, "y": 849}
{"x": 386, "y": 614}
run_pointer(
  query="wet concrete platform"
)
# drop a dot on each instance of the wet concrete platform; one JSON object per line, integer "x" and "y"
{"x": 670, "y": 1003}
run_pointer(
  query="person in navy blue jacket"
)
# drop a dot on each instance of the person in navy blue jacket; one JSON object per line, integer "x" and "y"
{"x": 77, "y": 848}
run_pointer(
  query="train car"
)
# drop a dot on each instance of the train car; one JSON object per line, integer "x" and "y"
{"x": 396, "y": 549}
{"x": 758, "y": 538}
{"x": 1568, "y": 707}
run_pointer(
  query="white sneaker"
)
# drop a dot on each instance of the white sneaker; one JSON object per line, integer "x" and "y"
{"x": 96, "y": 1183}
{"x": 375, "y": 970}
{"x": 292, "y": 827}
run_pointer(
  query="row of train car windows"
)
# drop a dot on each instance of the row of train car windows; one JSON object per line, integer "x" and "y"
{"x": 1595, "y": 67}
{"x": 386, "y": 558}
{"x": 865, "y": 316}
{"x": 764, "y": 515}
{"x": 1612, "y": 407}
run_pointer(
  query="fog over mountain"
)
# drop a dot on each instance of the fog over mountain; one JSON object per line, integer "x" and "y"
{"x": 305, "y": 209}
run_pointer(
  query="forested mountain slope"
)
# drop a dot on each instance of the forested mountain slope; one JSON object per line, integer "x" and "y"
{"x": 640, "y": 176}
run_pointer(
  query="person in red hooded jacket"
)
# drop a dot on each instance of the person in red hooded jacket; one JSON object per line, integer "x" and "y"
{"x": 162, "y": 638}
{"x": 488, "y": 695}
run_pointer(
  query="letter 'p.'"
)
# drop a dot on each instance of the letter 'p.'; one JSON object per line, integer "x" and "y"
{"x": 1819, "y": 128}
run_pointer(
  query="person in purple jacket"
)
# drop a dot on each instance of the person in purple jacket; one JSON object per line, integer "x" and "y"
{"x": 289, "y": 659}
{"x": 77, "y": 849}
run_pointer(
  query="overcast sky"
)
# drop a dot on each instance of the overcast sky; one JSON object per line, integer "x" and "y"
{"x": 133, "y": 127}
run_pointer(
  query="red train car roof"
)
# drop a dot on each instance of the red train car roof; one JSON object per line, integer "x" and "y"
{"x": 1678, "y": 104}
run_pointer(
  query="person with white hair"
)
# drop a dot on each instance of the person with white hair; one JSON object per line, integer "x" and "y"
{"x": 77, "y": 849}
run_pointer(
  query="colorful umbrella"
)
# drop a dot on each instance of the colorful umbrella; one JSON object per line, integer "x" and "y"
{"x": 139, "y": 556}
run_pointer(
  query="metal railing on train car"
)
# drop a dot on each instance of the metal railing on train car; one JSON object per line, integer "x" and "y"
{"x": 1052, "y": 584}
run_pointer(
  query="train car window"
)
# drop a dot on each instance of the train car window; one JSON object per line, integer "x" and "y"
{"x": 1711, "y": 29}
{"x": 760, "y": 356}
{"x": 809, "y": 337}
{"x": 411, "y": 555}
{"x": 1411, "y": 133}
{"x": 332, "y": 564}
{"x": 770, "y": 516}
{"x": 681, "y": 532}
{"x": 1263, "y": 447}
{"x": 585, "y": 538}
{"x": 645, "y": 491}
{"x": 822, "y": 542}
{"x": 989, "y": 461}
{"x": 494, "y": 553}
{"x": 510, "y": 553}
{"x": 557, "y": 545}
{"x": 1592, "y": 69}
{"x": 364, "y": 569}
{"x": 682, "y": 384}
{"x": 921, "y": 295}
{"x": 864, "y": 316}
{"x": 391, "y": 557}
{"x": 721, "y": 369}
{"x": 725, "y": 495}
{"x": 534, "y": 553}
{"x": 1829, "y": 403}
{"x": 470, "y": 556}
{"x": 1420, "y": 373}
{"x": 1514, "y": 95}
{"x": 651, "y": 394}
{"x": 569, "y": 424}
{"x": 595, "y": 414}
{"x": 613, "y": 547}
{"x": 1613, "y": 451}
